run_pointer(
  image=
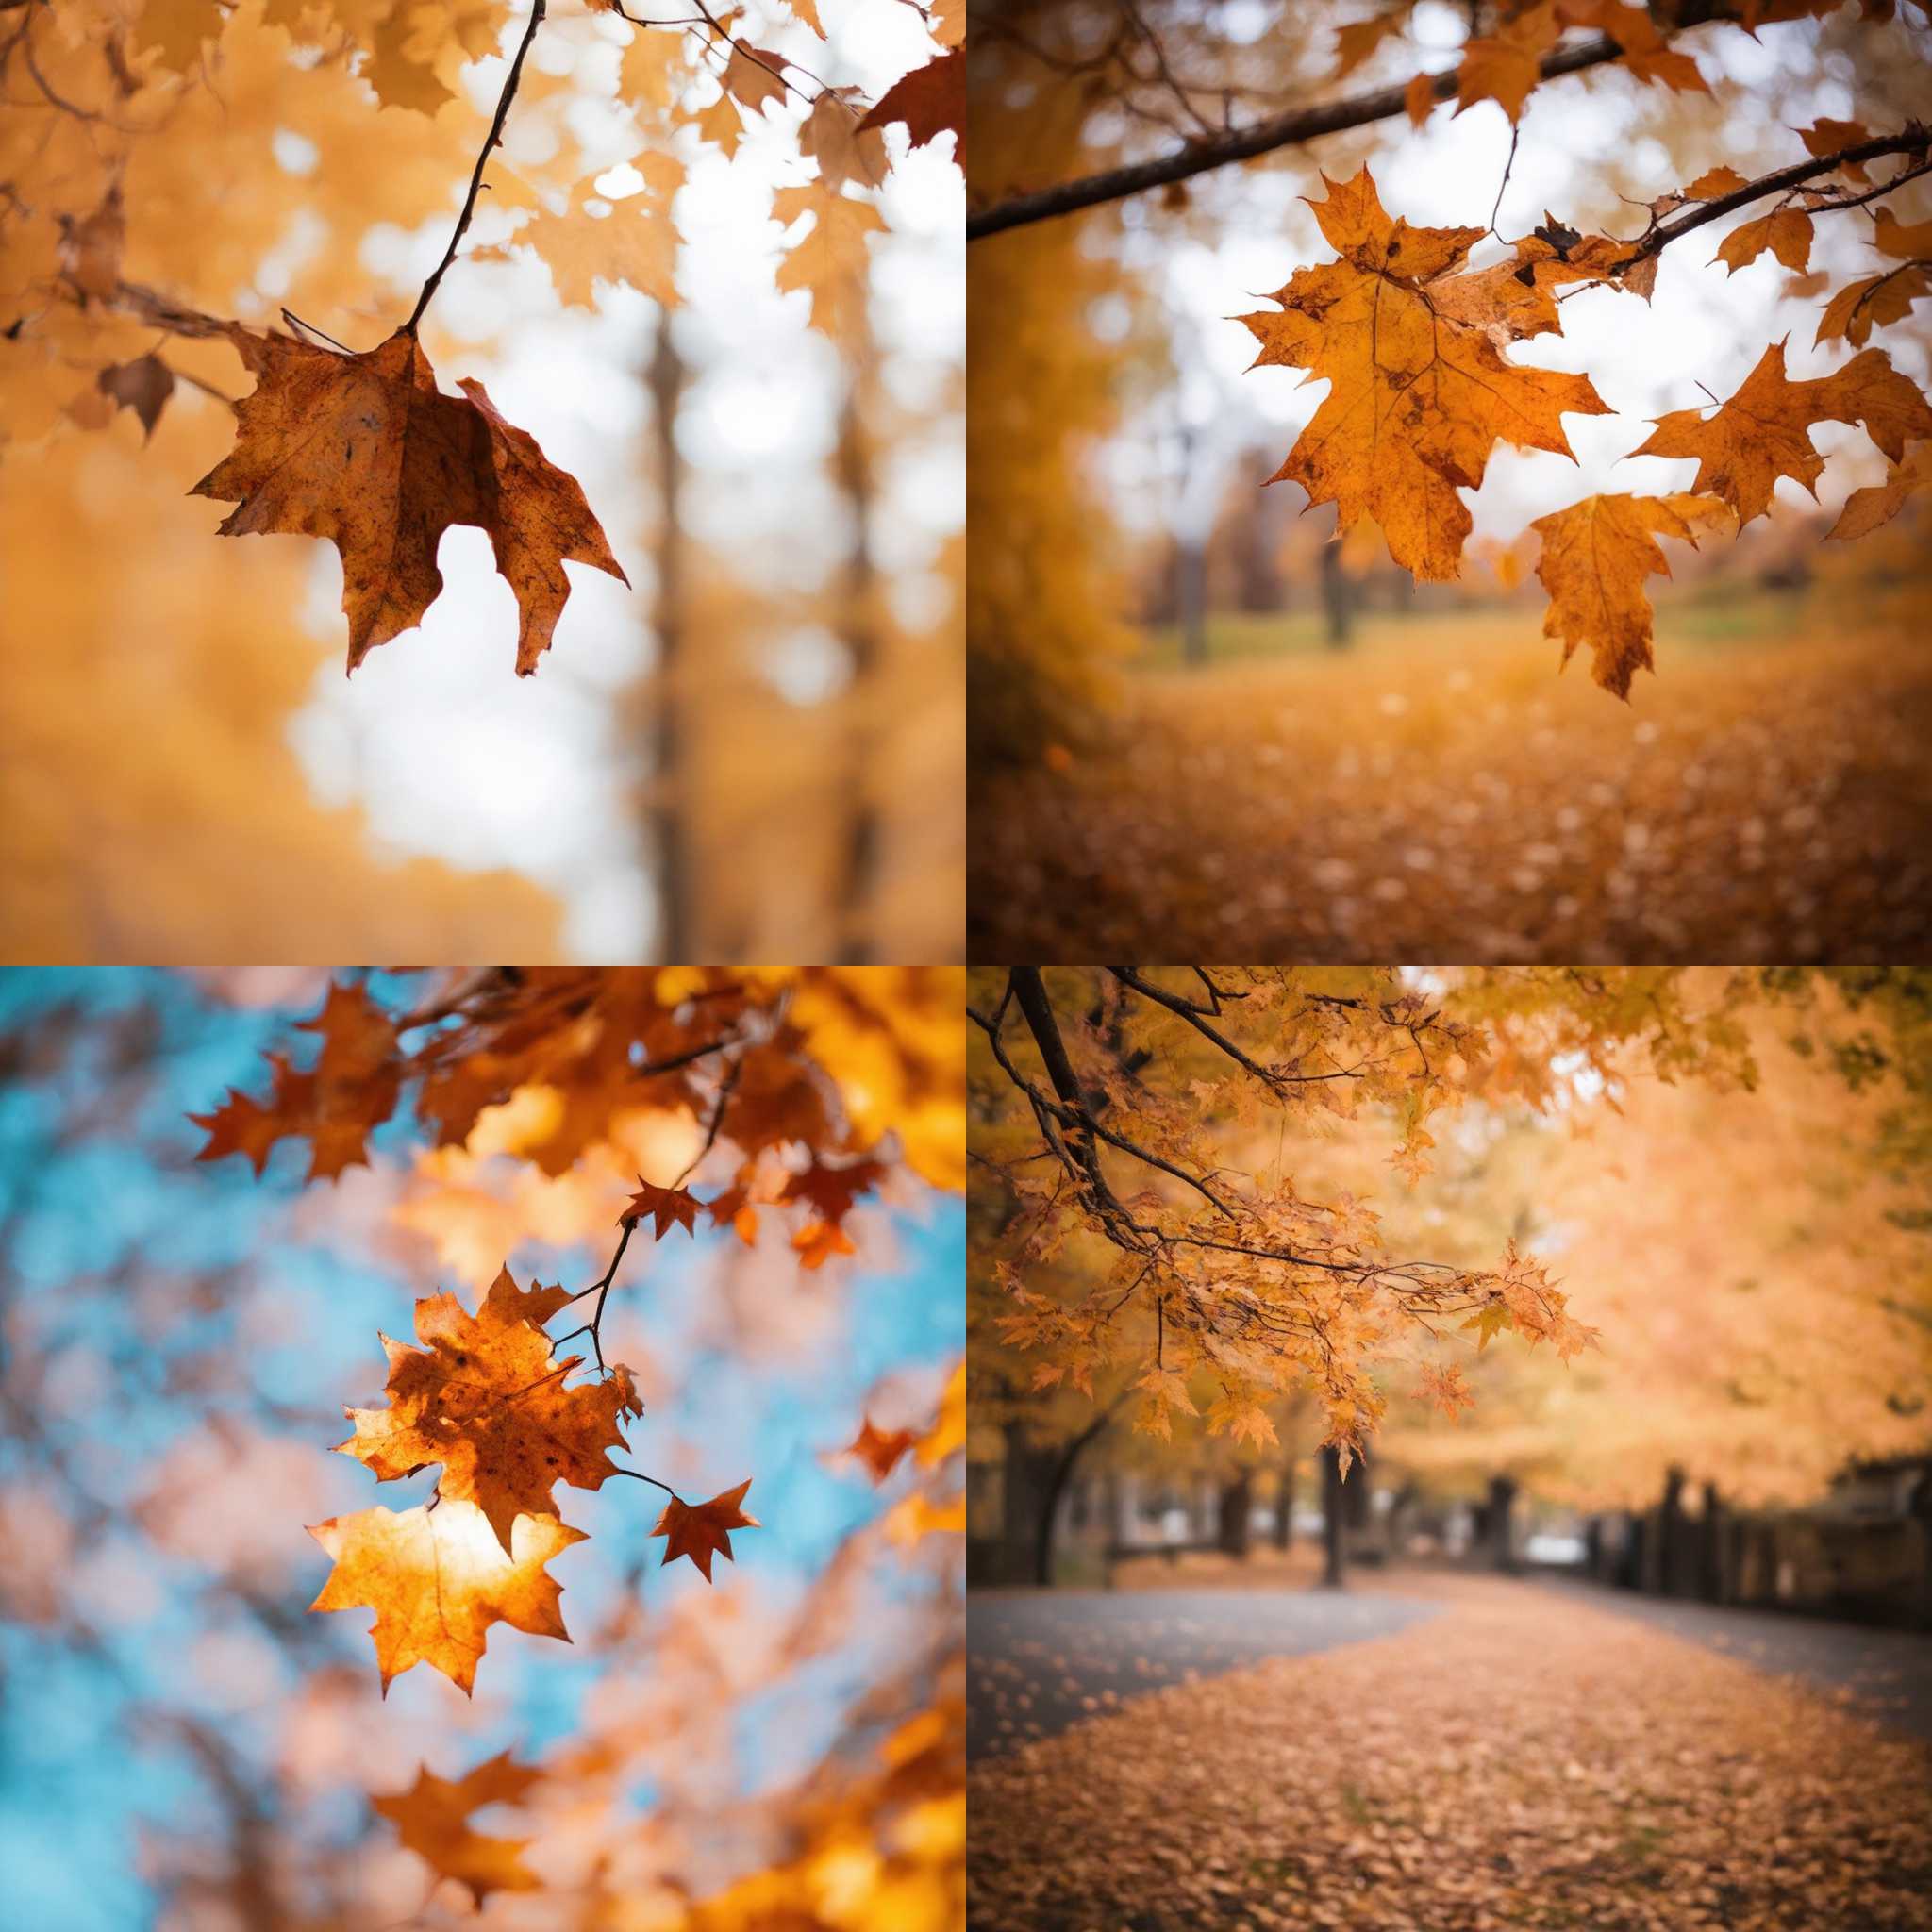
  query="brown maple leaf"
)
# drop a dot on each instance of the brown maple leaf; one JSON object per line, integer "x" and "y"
{"x": 366, "y": 451}
{"x": 699, "y": 1529}
{"x": 438, "y": 1578}
{"x": 351, "y": 1091}
{"x": 1596, "y": 554}
{"x": 929, "y": 100}
{"x": 879, "y": 1449}
{"x": 1420, "y": 393}
{"x": 486, "y": 1401}
{"x": 1762, "y": 431}
{"x": 432, "y": 1819}
{"x": 833, "y": 1189}
{"x": 666, "y": 1207}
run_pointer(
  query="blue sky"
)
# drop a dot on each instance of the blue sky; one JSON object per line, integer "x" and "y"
{"x": 103, "y": 1216}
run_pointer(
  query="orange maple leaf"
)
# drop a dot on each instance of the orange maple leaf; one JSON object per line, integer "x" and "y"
{"x": 486, "y": 1401}
{"x": 1762, "y": 432}
{"x": 432, "y": 1819}
{"x": 1866, "y": 509}
{"x": 1596, "y": 554}
{"x": 438, "y": 1578}
{"x": 1419, "y": 391}
{"x": 698, "y": 1529}
{"x": 818, "y": 1242}
{"x": 366, "y": 451}
{"x": 667, "y": 1207}
{"x": 879, "y": 1449}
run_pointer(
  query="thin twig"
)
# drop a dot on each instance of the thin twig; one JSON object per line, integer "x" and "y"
{"x": 495, "y": 136}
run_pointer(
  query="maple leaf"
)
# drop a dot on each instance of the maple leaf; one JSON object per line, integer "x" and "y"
{"x": 698, "y": 1530}
{"x": 879, "y": 1449}
{"x": 438, "y": 1578}
{"x": 832, "y": 1190}
{"x": 843, "y": 150}
{"x": 1504, "y": 66}
{"x": 366, "y": 451}
{"x": 1489, "y": 1321}
{"x": 486, "y": 1401}
{"x": 818, "y": 1241}
{"x": 667, "y": 1207}
{"x": 1245, "y": 1419}
{"x": 636, "y": 244}
{"x": 1786, "y": 231}
{"x": 432, "y": 1819}
{"x": 929, "y": 100}
{"x": 1419, "y": 394}
{"x": 1444, "y": 1389}
{"x": 1713, "y": 184}
{"x": 1866, "y": 509}
{"x": 1761, "y": 432}
{"x": 1595, "y": 557}
{"x": 830, "y": 259}
{"x": 753, "y": 75}
{"x": 1874, "y": 302}
{"x": 1831, "y": 137}
{"x": 1166, "y": 1391}
{"x": 351, "y": 1091}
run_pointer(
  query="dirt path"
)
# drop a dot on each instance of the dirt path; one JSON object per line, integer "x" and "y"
{"x": 1441, "y": 793}
{"x": 1517, "y": 1761}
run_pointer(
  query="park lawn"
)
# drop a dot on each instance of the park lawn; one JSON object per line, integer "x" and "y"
{"x": 1440, "y": 791}
{"x": 1510, "y": 1763}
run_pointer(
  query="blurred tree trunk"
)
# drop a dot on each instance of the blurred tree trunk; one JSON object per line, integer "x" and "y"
{"x": 1236, "y": 1513}
{"x": 1284, "y": 1507}
{"x": 864, "y": 836}
{"x": 1025, "y": 1514}
{"x": 1499, "y": 1523}
{"x": 1710, "y": 1581}
{"x": 1657, "y": 1577}
{"x": 1336, "y": 597}
{"x": 1191, "y": 600}
{"x": 1333, "y": 1565}
{"x": 670, "y": 835}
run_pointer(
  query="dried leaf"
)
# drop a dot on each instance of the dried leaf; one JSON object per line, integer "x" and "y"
{"x": 365, "y": 451}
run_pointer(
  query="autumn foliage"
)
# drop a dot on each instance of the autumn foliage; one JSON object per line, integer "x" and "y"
{"x": 600, "y": 1111}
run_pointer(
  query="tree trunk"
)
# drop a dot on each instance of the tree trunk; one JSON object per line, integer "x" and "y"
{"x": 670, "y": 837}
{"x": 1237, "y": 1506}
{"x": 1498, "y": 1524}
{"x": 1284, "y": 1507}
{"x": 1026, "y": 1516}
{"x": 1657, "y": 1576}
{"x": 865, "y": 834}
{"x": 1710, "y": 1578}
{"x": 1334, "y": 1566}
{"x": 1190, "y": 596}
{"x": 1337, "y": 598}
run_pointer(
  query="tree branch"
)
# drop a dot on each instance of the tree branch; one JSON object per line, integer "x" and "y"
{"x": 1291, "y": 129}
{"x": 1913, "y": 140}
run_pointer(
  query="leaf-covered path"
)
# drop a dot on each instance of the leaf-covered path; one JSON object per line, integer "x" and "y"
{"x": 1439, "y": 792}
{"x": 1045, "y": 1660}
{"x": 1521, "y": 1760}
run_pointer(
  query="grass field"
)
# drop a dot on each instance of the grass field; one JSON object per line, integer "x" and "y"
{"x": 1437, "y": 791}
